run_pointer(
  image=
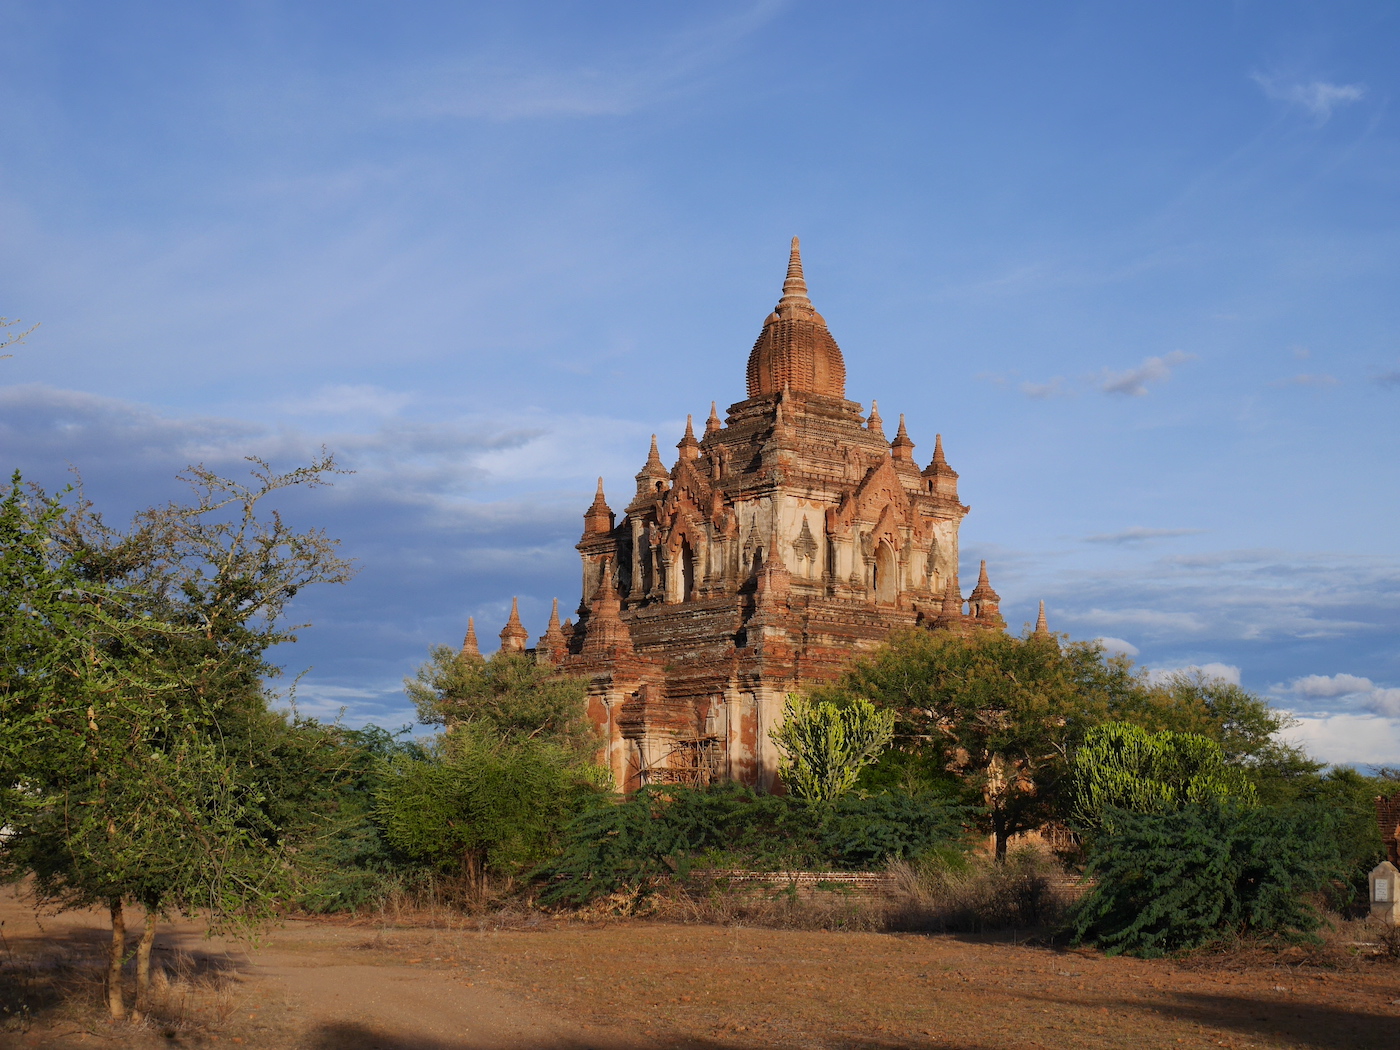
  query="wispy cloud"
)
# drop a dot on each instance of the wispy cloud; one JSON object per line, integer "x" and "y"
{"x": 615, "y": 83}
{"x": 1133, "y": 382}
{"x": 1306, "y": 379}
{"x": 1318, "y": 98}
{"x": 1044, "y": 391}
{"x": 1390, "y": 379}
{"x": 1137, "y": 534}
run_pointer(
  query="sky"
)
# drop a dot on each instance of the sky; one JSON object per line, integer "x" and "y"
{"x": 1137, "y": 263}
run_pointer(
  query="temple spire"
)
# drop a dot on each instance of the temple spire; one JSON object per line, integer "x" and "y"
{"x": 470, "y": 648}
{"x": 795, "y": 286}
{"x": 875, "y": 424}
{"x": 1042, "y": 628}
{"x": 901, "y": 446}
{"x": 943, "y": 479}
{"x": 553, "y": 644}
{"x": 513, "y": 634}
{"x": 689, "y": 447}
{"x": 713, "y": 423}
{"x": 599, "y": 516}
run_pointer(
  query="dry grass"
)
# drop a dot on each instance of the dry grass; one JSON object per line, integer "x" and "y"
{"x": 1029, "y": 892}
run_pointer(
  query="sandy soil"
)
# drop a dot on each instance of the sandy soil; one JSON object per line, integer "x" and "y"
{"x": 333, "y": 985}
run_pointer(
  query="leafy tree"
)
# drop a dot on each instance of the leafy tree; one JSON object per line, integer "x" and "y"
{"x": 1164, "y": 882}
{"x": 1001, "y": 714}
{"x": 132, "y": 706}
{"x": 1242, "y": 723}
{"x": 1123, "y": 767}
{"x": 481, "y": 803}
{"x": 825, "y": 745}
{"x": 508, "y": 696}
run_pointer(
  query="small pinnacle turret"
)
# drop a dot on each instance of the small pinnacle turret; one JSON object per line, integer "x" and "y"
{"x": 901, "y": 447}
{"x": 942, "y": 479}
{"x": 875, "y": 424}
{"x": 984, "y": 603}
{"x": 1042, "y": 628}
{"x": 514, "y": 637}
{"x": 688, "y": 446}
{"x": 553, "y": 645}
{"x": 598, "y": 518}
{"x": 714, "y": 424}
{"x": 470, "y": 648}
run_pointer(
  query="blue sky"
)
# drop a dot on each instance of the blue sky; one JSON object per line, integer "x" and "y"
{"x": 1137, "y": 264}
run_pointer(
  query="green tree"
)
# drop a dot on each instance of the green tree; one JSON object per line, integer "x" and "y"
{"x": 1123, "y": 767}
{"x": 1001, "y": 715}
{"x": 825, "y": 745}
{"x": 1242, "y": 723}
{"x": 131, "y": 701}
{"x": 508, "y": 696}
{"x": 481, "y": 803}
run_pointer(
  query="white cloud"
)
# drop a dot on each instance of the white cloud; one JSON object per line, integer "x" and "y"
{"x": 1347, "y": 739}
{"x": 1133, "y": 382}
{"x": 1362, "y": 692}
{"x": 1318, "y": 686}
{"x": 1317, "y": 97}
{"x": 1138, "y": 534}
{"x": 1118, "y": 646}
{"x": 1218, "y": 671}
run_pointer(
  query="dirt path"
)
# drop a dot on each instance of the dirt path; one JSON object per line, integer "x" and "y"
{"x": 334, "y": 986}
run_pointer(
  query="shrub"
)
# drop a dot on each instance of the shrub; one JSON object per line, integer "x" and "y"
{"x": 660, "y": 831}
{"x": 1173, "y": 881}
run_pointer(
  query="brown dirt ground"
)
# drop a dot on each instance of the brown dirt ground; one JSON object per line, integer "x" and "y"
{"x": 324, "y": 985}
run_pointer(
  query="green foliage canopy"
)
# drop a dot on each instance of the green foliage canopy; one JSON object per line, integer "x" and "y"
{"x": 508, "y": 696}
{"x": 825, "y": 745}
{"x": 1125, "y": 767}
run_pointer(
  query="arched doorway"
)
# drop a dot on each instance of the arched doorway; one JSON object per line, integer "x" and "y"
{"x": 687, "y": 571}
{"x": 886, "y": 574}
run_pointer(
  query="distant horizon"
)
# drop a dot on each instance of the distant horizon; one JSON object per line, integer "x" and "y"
{"x": 1136, "y": 266}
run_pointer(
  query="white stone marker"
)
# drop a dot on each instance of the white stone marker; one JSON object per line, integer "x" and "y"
{"x": 1385, "y": 889}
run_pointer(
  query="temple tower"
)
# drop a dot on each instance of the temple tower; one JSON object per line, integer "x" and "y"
{"x": 789, "y": 536}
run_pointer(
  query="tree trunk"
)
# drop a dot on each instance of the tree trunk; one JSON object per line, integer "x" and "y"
{"x": 1002, "y": 835}
{"x": 116, "y": 1001}
{"x": 143, "y": 966}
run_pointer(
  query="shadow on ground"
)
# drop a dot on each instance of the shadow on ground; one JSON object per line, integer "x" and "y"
{"x": 1313, "y": 1024}
{"x": 361, "y": 1037}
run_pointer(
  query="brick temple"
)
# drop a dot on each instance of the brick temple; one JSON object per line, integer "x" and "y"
{"x": 788, "y": 536}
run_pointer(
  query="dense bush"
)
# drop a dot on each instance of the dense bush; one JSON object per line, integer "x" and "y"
{"x": 479, "y": 804}
{"x": 663, "y": 830}
{"x": 1172, "y": 881}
